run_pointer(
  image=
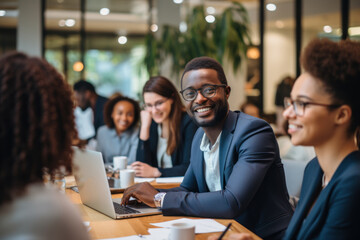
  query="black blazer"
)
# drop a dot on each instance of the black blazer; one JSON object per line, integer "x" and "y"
{"x": 147, "y": 150}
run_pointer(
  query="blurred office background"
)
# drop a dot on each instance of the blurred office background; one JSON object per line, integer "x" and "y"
{"x": 108, "y": 38}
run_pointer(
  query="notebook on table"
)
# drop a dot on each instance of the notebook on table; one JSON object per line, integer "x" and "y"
{"x": 90, "y": 176}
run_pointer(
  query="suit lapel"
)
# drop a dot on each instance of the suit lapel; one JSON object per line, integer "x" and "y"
{"x": 199, "y": 163}
{"x": 225, "y": 142}
{"x": 307, "y": 201}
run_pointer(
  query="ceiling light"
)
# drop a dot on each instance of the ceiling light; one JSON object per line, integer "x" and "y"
{"x": 271, "y": 7}
{"x": 2, "y": 13}
{"x": 70, "y": 22}
{"x": 183, "y": 26}
{"x": 104, "y": 11}
{"x": 178, "y": 1}
{"x": 210, "y": 10}
{"x": 154, "y": 27}
{"x": 122, "y": 39}
{"x": 253, "y": 53}
{"x": 210, "y": 18}
{"x": 327, "y": 29}
{"x": 78, "y": 66}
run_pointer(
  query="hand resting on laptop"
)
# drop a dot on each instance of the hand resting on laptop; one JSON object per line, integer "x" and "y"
{"x": 141, "y": 191}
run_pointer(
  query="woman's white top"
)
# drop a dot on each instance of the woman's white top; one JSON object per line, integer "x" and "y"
{"x": 164, "y": 160}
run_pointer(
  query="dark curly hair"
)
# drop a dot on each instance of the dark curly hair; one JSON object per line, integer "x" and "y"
{"x": 164, "y": 87}
{"x": 109, "y": 107}
{"x": 205, "y": 63}
{"x": 36, "y": 123}
{"x": 337, "y": 66}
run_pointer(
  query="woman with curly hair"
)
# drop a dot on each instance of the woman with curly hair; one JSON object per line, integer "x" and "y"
{"x": 166, "y": 132}
{"x": 324, "y": 111}
{"x": 120, "y": 135}
{"x": 36, "y": 131}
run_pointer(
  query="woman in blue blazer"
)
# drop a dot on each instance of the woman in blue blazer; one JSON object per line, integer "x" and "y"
{"x": 324, "y": 112}
{"x": 166, "y": 132}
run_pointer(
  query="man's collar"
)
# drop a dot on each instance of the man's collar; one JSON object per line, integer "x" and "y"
{"x": 205, "y": 144}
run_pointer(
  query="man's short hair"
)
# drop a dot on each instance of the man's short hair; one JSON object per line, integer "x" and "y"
{"x": 82, "y": 86}
{"x": 207, "y": 63}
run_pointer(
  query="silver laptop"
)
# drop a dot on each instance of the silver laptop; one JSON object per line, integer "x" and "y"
{"x": 90, "y": 176}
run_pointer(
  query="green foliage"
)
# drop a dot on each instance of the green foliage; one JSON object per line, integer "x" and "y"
{"x": 152, "y": 55}
{"x": 228, "y": 36}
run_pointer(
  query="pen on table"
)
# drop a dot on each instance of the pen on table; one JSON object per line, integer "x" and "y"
{"x": 223, "y": 233}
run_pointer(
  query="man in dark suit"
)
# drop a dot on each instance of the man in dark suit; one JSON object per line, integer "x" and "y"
{"x": 235, "y": 169}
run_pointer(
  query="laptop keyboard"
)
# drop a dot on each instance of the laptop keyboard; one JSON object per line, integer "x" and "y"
{"x": 120, "y": 209}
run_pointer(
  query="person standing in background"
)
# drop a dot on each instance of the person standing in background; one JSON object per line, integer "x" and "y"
{"x": 86, "y": 96}
{"x": 283, "y": 90}
{"x": 250, "y": 109}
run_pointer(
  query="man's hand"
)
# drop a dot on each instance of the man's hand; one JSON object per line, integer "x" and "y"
{"x": 141, "y": 191}
{"x": 145, "y": 170}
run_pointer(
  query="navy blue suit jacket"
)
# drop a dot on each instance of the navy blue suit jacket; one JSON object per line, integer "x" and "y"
{"x": 180, "y": 158}
{"x": 252, "y": 179}
{"x": 336, "y": 212}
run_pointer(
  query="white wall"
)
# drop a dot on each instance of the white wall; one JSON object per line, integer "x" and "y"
{"x": 29, "y": 30}
{"x": 279, "y": 61}
{"x": 237, "y": 83}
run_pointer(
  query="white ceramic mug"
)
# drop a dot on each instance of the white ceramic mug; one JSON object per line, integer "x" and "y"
{"x": 120, "y": 162}
{"x": 182, "y": 231}
{"x": 127, "y": 178}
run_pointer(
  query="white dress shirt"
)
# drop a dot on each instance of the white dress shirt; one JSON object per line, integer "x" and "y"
{"x": 164, "y": 160}
{"x": 211, "y": 166}
{"x": 84, "y": 121}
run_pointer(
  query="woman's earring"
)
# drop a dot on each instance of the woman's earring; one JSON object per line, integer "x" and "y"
{"x": 357, "y": 136}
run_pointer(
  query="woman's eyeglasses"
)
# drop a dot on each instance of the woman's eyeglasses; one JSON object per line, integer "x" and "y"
{"x": 299, "y": 106}
{"x": 157, "y": 104}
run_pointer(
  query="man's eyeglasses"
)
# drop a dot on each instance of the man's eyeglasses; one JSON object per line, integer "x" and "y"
{"x": 299, "y": 106}
{"x": 208, "y": 91}
{"x": 157, "y": 104}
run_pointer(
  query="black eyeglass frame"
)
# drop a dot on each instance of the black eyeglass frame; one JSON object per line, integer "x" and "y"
{"x": 303, "y": 104}
{"x": 215, "y": 86}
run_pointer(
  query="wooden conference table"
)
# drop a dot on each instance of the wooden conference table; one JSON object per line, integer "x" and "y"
{"x": 106, "y": 227}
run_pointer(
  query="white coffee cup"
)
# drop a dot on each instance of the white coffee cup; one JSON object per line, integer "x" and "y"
{"x": 127, "y": 178}
{"x": 182, "y": 231}
{"x": 120, "y": 162}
